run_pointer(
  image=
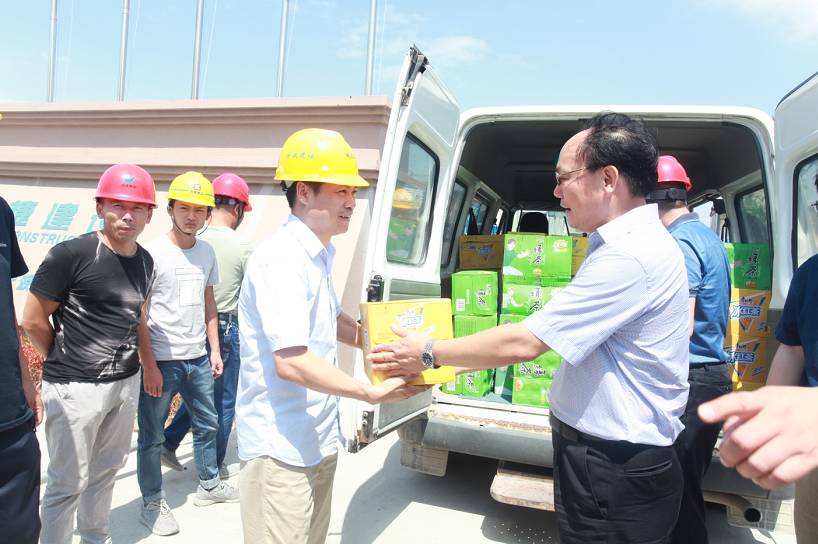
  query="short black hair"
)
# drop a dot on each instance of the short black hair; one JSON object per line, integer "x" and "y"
{"x": 289, "y": 192}
{"x": 626, "y": 143}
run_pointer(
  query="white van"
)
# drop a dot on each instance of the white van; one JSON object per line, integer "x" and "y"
{"x": 484, "y": 167}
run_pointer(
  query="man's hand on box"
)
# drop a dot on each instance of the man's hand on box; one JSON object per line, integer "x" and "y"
{"x": 395, "y": 389}
{"x": 401, "y": 357}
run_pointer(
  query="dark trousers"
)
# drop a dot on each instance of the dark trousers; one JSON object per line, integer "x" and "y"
{"x": 20, "y": 485}
{"x": 613, "y": 491}
{"x": 694, "y": 448}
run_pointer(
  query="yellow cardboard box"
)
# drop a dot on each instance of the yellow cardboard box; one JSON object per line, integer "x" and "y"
{"x": 430, "y": 315}
{"x": 579, "y": 246}
{"x": 749, "y": 358}
{"x": 481, "y": 252}
{"x": 748, "y": 314}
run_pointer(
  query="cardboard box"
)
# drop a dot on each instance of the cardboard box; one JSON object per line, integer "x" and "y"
{"x": 431, "y": 315}
{"x": 474, "y": 292}
{"x": 521, "y": 297}
{"x": 536, "y": 255}
{"x": 750, "y": 266}
{"x": 749, "y": 358}
{"x": 531, "y": 392}
{"x": 477, "y": 383}
{"x": 544, "y": 366}
{"x": 579, "y": 247}
{"x": 465, "y": 325}
{"x": 480, "y": 252}
{"x": 748, "y": 313}
{"x": 454, "y": 387}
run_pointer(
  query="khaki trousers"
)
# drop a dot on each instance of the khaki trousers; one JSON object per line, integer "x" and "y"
{"x": 285, "y": 504}
{"x": 806, "y": 509}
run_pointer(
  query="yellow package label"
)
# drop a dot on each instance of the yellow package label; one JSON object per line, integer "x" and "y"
{"x": 748, "y": 314}
{"x": 481, "y": 252}
{"x": 430, "y": 315}
{"x": 579, "y": 246}
{"x": 749, "y": 358}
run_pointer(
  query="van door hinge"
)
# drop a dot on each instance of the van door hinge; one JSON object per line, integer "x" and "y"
{"x": 374, "y": 291}
{"x": 419, "y": 62}
{"x": 365, "y": 434}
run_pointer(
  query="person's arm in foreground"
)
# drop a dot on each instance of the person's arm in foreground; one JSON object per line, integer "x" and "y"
{"x": 151, "y": 375}
{"x": 32, "y": 394}
{"x": 494, "y": 347}
{"x": 770, "y": 435}
{"x": 301, "y": 366}
{"x": 36, "y": 322}
{"x": 349, "y": 331}
{"x": 212, "y": 332}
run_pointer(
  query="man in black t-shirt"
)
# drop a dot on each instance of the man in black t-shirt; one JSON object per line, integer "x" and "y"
{"x": 21, "y": 408}
{"x": 94, "y": 289}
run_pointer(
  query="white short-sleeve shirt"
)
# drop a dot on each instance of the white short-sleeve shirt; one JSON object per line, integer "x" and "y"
{"x": 622, "y": 327}
{"x": 286, "y": 300}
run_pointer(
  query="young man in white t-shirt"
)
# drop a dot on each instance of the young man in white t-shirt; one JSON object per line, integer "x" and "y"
{"x": 181, "y": 318}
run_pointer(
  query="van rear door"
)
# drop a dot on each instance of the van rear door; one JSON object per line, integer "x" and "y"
{"x": 796, "y": 167}
{"x": 408, "y": 214}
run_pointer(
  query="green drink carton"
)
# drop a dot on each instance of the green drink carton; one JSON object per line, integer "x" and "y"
{"x": 477, "y": 383}
{"x": 504, "y": 380}
{"x": 544, "y": 366}
{"x": 523, "y": 297}
{"x": 465, "y": 325}
{"x": 474, "y": 292}
{"x": 579, "y": 249}
{"x": 527, "y": 255}
{"x": 531, "y": 392}
{"x": 453, "y": 388}
{"x": 749, "y": 266}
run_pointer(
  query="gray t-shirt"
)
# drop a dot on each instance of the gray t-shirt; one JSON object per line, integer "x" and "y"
{"x": 176, "y": 318}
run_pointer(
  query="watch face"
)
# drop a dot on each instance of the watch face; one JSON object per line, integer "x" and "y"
{"x": 427, "y": 360}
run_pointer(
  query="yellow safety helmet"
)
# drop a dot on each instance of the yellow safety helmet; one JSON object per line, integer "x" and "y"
{"x": 192, "y": 188}
{"x": 403, "y": 199}
{"x": 315, "y": 154}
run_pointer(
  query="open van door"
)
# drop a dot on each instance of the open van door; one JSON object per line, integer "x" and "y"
{"x": 796, "y": 167}
{"x": 408, "y": 215}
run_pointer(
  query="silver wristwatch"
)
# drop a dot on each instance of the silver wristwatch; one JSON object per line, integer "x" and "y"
{"x": 427, "y": 357}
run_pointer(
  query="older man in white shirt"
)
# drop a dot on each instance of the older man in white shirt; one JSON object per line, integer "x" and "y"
{"x": 291, "y": 321}
{"x": 621, "y": 327}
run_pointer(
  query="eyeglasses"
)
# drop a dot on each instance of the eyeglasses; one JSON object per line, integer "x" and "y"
{"x": 561, "y": 177}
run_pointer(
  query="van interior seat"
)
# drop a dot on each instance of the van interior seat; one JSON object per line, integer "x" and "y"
{"x": 533, "y": 222}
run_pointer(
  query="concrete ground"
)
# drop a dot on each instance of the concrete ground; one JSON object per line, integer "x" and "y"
{"x": 376, "y": 500}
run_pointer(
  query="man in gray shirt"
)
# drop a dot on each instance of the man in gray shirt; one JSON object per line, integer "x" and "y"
{"x": 621, "y": 327}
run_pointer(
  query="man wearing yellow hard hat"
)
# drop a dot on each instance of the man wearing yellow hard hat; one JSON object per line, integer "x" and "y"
{"x": 181, "y": 319}
{"x": 289, "y": 382}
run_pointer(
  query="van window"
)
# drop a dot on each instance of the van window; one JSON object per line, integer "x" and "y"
{"x": 452, "y": 214}
{"x": 806, "y": 227}
{"x": 477, "y": 215}
{"x": 410, "y": 221}
{"x": 751, "y": 208}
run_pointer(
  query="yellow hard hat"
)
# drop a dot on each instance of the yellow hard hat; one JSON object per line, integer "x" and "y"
{"x": 192, "y": 188}
{"x": 403, "y": 199}
{"x": 315, "y": 154}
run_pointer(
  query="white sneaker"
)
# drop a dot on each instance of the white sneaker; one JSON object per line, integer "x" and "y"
{"x": 228, "y": 471}
{"x": 156, "y": 515}
{"x": 223, "y": 492}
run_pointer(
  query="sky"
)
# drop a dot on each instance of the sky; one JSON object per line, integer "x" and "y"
{"x": 488, "y": 52}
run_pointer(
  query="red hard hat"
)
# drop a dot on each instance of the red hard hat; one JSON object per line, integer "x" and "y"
{"x": 128, "y": 183}
{"x": 233, "y": 186}
{"x": 670, "y": 170}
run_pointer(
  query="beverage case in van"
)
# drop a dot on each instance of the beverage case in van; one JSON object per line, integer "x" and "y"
{"x": 522, "y": 297}
{"x": 430, "y": 315}
{"x": 750, "y": 266}
{"x": 579, "y": 247}
{"x": 536, "y": 255}
{"x": 748, "y": 313}
{"x": 481, "y": 252}
{"x": 474, "y": 292}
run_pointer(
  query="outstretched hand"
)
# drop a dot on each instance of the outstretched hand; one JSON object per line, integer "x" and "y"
{"x": 770, "y": 435}
{"x": 401, "y": 357}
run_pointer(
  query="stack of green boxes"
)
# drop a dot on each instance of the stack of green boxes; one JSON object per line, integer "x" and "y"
{"x": 535, "y": 268}
{"x": 474, "y": 307}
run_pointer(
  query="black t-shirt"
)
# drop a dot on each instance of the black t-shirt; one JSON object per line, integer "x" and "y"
{"x": 101, "y": 296}
{"x": 14, "y": 410}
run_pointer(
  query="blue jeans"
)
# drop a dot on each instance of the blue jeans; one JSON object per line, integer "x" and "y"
{"x": 224, "y": 392}
{"x": 191, "y": 378}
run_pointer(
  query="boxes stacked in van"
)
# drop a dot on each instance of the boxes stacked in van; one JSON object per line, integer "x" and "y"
{"x": 747, "y": 330}
{"x": 534, "y": 268}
